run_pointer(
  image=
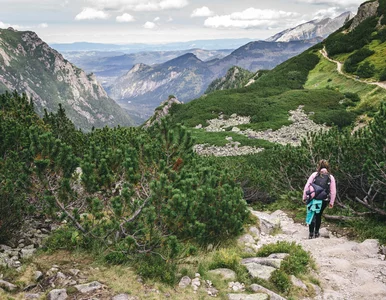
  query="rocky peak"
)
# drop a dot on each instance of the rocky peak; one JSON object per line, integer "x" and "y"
{"x": 161, "y": 111}
{"x": 138, "y": 68}
{"x": 365, "y": 11}
{"x": 29, "y": 65}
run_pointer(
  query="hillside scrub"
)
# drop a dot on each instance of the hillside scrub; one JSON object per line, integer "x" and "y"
{"x": 140, "y": 192}
{"x": 357, "y": 160}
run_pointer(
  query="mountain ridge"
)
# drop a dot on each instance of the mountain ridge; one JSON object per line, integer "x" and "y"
{"x": 312, "y": 29}
{"x": 30, "y": 66}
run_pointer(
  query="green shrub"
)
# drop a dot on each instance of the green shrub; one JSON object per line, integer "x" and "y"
{"x": 225, "y": 258}
{"x": 340, "y": 42}
{"x": 366, "y": 70}
{"x": 295, "y": 263}
{"x": 354, "y": 97}
{"x": 382, "y": 77}
{"x": 62, "y": 238}
{"x": 340, "y": 118}
{"x": 352, "y": 62}
{"x": 281, "y": 281}
{"x": 152, "y": 266}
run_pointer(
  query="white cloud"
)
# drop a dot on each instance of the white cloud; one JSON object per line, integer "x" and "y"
{"x": 251, "y": 18}
{"x": 7, "y": 25}
{"x": 125, "y": 18}
{"x": 330, "y": 12}
{"x": 43, "y": 25}
{"x": 262, "y": 14}
{"x": 90, "y": 14}
{"x": 156, "y": 19}
{"x": 340, "y": 3}
{"x": 202, "y": 12}
{"x": 138, "y": 5}
{"x": 149, "y": 25}
{"x": 173, "y": 4}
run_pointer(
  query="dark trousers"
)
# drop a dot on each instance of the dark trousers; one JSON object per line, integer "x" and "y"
{"x": 315, "y": 224}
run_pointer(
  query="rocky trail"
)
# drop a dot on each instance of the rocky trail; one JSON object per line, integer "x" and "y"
{"x": 339, "y": 68}
{"x": 347, "y": 270}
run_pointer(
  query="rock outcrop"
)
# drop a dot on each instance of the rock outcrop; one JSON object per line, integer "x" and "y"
{"x": 28, "y": 65}
{"x": 161, "y": 112}
{"x": 365, "y": 11}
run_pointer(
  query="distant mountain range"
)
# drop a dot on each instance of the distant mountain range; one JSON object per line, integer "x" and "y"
{"x": 315, "y": 28}
{"x": 144, "y": 87}
{"x": 133, "y": 48}
{"x": 28, "y": 65}
{"x": 108, "y": 66}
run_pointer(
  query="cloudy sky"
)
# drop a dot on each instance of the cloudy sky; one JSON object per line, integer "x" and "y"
{"x": 159, "y": 21}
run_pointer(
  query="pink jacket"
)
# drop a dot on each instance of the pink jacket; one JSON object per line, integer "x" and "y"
{"x": 332, "y": 186}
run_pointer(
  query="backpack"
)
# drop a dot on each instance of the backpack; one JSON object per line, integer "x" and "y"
{"x": 320, "y": 187}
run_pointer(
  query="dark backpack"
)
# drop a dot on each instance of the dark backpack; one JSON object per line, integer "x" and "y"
{"x": 321, "y": 185}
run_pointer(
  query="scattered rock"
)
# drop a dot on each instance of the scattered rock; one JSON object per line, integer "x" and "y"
{"x": 213, "y": 292}
{"x": 246, "y": 238}
{"x": 259, "y": 271}
{"x": 124, "y": 297}
{"x": 184, "y": 282}
{"x": 74, "y": 272}
{"x": 324, "y": 232}
{"x": 236, "y": 286}
{"x": 297, "y": 282}
{"x": 268, "y": 223}
{"x": 226, "y": 274}
{"x": 7, "y": 286}
{"x": 272, "y": 262}
{"x": 255, "y": 232}
{"x": 278, "y": 255}
{"x": 196, "y": 283}
{"x": 27, "y": 253}
{"x": 272, "y": 296}
{"x": 31, "y": 296}
{"x": 370, "y": 247}
{"x": 258, "y": 296}
{"x": 59, "y": 294}
{"x": 88, "y": 287}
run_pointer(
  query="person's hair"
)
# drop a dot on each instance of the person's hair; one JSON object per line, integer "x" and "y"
{"x": 323, "y": 164}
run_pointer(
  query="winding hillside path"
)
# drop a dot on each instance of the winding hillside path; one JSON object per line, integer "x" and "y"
{"x": 347, "y": 270}
{"x": 339, "y": 68}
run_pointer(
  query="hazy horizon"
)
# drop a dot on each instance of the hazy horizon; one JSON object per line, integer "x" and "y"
{"x": 162, "y": 21}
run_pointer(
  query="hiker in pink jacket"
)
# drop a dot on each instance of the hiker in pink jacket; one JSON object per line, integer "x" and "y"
{"x": 323, "y": 169}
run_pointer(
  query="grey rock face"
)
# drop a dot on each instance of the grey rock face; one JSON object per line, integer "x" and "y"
{"x": 259, "y": 271}
{"x": 124, "y": 297}
{"x": 58, "y": 294}
{"x": 297, "y": 282}
{"x": 7, "y": 286}
{"x": 163, "y": 111}
{"x": 259, "y": 296}
{"x": 271, "y": 262}
{"x": 184, "y": 282}
{"x": 88, "y": 287}
{"x": 258, "y": 288}
{"x": 365, "y": 11}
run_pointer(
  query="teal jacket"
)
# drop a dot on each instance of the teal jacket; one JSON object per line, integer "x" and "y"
{"x": 313, "y": 208}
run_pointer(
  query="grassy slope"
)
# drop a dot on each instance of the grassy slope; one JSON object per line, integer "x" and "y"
{"x": 267, "y": 101}
{"x": 325, "y": 75}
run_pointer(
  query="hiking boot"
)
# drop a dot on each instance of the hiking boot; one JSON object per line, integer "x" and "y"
{"x": 317, "y": 234}
{"x": 311, "y": 235}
